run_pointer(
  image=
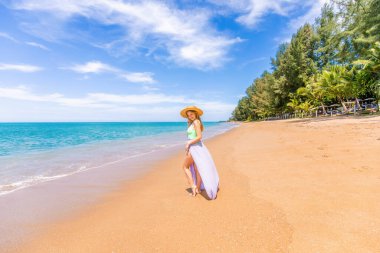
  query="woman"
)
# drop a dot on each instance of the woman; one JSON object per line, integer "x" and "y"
{"x": 198, "y": 165}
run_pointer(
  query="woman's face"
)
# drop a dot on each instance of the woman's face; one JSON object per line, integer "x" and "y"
{"x": 191, "y": 115}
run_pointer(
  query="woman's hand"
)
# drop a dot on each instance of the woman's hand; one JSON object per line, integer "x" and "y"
{"x": 187, "y": 147}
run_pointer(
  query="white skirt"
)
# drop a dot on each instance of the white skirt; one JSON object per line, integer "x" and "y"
{"x": 206, "y": 168}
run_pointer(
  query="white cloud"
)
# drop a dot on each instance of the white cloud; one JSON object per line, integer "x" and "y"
{"x": 34, "y": 44}
{"x": 104, "y": 100}
{"x": 93, "y": 67}
{"x": 150, "y": 88}
{"x": 251, "y": 12}
{"x": 20, "y": 67}
{"x": 150, "y": 105}
{"x": 8, "y": 37}
{"x": 248, "y": 62}
{"x": 137, "y": 99}
{"x": 22, "y": 93}
{"x": 313, "y": 11}
{"x": 309, "y": 17}
{"x": 29, "y": 43}
{"x": 139, "y": 77}
{"x": 186, "y": 35}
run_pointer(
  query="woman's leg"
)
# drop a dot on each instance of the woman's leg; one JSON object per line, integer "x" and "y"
{"x": 186, "y": 167}
{"x": 199, "y": 179}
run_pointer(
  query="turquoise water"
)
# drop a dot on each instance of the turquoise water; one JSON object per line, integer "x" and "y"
{"x": 31, "y": 153}
{"x": 18, "y": 138}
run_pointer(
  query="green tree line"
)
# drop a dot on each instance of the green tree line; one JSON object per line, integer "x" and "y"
{"x": 333, "y": 60}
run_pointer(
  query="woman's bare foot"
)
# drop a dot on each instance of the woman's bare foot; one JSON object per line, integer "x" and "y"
{"x": 194, "y": 190}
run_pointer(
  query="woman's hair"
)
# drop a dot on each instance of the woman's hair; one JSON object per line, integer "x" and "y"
{"x": 196, "y": 117}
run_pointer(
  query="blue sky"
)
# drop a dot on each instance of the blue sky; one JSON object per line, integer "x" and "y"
{"x": 114, "y": 60}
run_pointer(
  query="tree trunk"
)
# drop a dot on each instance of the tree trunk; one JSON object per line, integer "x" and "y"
{"x": 344, "y": 106}
{"x": 357, "y": 103}
{"x": 323, "y": 108}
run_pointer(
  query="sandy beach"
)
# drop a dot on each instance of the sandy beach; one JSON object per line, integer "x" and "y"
{"x": 286, "y": 186}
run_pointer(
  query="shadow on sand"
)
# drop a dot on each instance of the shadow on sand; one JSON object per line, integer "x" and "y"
{"x": 203, "y": 193}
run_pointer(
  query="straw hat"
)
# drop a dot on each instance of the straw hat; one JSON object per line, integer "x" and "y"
{"x": 191, "y": 108}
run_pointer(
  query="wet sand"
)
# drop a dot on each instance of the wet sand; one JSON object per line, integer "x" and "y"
{"x": 285, "y": 186}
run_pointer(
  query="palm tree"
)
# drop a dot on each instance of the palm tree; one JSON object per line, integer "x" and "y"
{"x": 316, "y": 93}
{"x": 335, "y": 83}
{"x": 369, "y": 72}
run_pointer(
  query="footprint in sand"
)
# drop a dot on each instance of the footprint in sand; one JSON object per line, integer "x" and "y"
{"x": 362, "y": 168}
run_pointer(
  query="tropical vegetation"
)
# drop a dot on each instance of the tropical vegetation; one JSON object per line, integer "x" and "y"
{"x": 333, "y": 60}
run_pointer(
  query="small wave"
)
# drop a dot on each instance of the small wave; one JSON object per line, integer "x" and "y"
{"x": 33, "y": 180}
{"x": 8, "y": 188}
{"x": 37, "y": 179}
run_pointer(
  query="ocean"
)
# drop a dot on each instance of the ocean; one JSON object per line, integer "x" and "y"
{"x": 32, "y": 153}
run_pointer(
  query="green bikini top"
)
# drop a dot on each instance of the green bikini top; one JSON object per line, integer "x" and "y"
{"x": 191, "y": 133}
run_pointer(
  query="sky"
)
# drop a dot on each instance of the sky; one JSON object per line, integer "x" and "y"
{"x": 120, "y": 60}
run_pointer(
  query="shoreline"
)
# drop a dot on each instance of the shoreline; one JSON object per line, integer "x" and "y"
{"x": 54, "y": 200}
{"x": 285, "y": 187}
{"x": 51, "y": 201}
{"x": 63, "y": 161}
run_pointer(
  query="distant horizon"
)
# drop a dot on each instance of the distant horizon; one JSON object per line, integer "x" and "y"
{"x": 2, "y": 122}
